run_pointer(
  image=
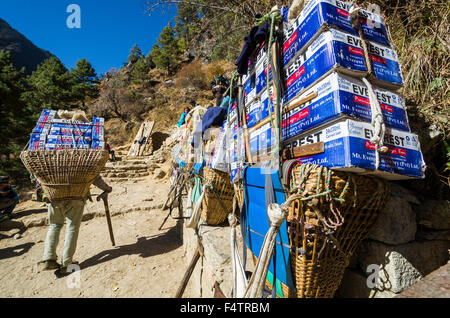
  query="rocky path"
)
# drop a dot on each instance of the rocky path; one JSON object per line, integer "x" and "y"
{"x": 145, "y": 263}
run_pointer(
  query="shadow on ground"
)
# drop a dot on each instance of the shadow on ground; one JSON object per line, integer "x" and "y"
{"x": 144, "y": 247}
{"x": 28, "y": 212}
{"x": 15, "y": 251}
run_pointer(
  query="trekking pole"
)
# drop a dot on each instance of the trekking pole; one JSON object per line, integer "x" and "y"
{"x": 104, "y": 196}
{"x": 190, "y": 269}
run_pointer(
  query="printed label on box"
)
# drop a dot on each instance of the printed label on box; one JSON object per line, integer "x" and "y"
{"x": 347, "y": 146}
{"x": 317, "y": 15}
{"x": 341, "y": 51}
{"x": 261, "y": 76}
{"x": 339, "y": 95}
{"x": 250, "y": 89}
{"x": 253, "y": 113}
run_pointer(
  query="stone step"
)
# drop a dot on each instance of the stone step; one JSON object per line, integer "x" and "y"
{"x": 126, "y": 175}
{"x": 119, "y": 180}
{"x": 127, "y": 167}
{"x": 120, "y": 170}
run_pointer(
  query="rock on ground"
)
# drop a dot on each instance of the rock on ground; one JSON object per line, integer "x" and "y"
{"x": 403, "y": 265}
{"x": 396, "y": 223}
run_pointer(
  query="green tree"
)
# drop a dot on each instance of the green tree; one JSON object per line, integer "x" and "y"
{"x": 135, "y": 55}
{"x": 166, "y": 53}
{"x": 51, "y": 85}
{"x": 141, "y": 68}
{"x": 86, "y": 81}
{"x": 15, "y": 119}
{"x": 187, "y": 20}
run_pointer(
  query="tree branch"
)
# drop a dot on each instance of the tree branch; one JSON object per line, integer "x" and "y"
{"x": 153, "y": 4}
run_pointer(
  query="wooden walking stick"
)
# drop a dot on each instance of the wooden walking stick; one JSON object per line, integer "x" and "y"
{"x": 190, "y": 269}
{"x": 104, "y": 196}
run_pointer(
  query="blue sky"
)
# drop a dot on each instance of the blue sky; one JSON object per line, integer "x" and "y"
{"x": 109, "y": 28}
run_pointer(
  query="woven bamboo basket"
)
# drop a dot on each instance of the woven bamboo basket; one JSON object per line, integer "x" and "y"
{"x": 65, "y": 174}
{"x": 324, "y": 230}
{"x": 325, "y": 226}
{"x": 215, "y": 211}
{"x": 239, "y": 192}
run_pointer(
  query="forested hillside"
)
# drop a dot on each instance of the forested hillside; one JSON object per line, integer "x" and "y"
{"x": 23, "y": 52}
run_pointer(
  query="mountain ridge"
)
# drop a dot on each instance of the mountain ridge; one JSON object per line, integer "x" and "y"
{"x": 24, "y": 52}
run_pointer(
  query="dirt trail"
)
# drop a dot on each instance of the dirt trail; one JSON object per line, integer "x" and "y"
{"x": 145, "y": 263}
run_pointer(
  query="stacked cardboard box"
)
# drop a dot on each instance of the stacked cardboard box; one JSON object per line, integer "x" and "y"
{"x": 323, "y": 56}
{"x": 52, "y": 133}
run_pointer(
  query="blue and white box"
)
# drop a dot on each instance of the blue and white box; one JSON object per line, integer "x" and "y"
{"x": 98, "y": 133}
{"x": 236, "y": 153}
{"x": 261, "y": 76}
{"x": 64, "y": 140}
{"x": 42, "y": 128}
{"x": 265, "y": 99}
{"x": 253, "y": 113}
{"x": 37, "y": 141}
{"x": 348, "y": 148}
{"x": 98, "y": 121}
{"x": 98, "y": 145}
{"x": 340, "y": 95}
{"x": 261, "y": 139}
{"x": 335, "y": 50}
{"x": 84, "y": 131}
{"x": 250, "y": 89}
{"x": 47, "y": 116}
{"x": 318, "y": 16}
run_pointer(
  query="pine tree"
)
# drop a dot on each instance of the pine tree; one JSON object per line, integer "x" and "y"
{"x": 86, "y": 80}
{"x": 51, "y": 85}
{"x": 135, "y": 55}
{"x": 15, "y": 118}
{"x": 167, "y": 52}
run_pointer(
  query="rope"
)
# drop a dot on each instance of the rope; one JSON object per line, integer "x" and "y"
{"x": 305, "y": 171}
{"x": 239, "y": 278}
{"x": 275, "y": 18}
{"x": 377, "y": 115}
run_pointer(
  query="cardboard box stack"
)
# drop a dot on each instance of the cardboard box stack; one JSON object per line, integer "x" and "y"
{"x": 52, "y": 133}
{"x": 323, "y": 54}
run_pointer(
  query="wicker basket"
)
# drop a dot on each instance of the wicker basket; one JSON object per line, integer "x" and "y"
{"x": 325, "y": 230}
{"x": 320, "y": 251}
{"x": 215, "y": 211}
{"x": 65, "y": 174}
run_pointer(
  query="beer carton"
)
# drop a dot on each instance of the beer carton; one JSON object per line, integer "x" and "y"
{"x": 335, "y": 50}
{"x": 67, "y": 140}
{"x": 77, "y": 131}
{"x": 98, "y": 133}
{"x": 261, "y": 140}
{"x": 98, "y": 145}
{"x": 98, "y": 121}
{"x": 340, "y": 95}
{"x": 348, "y": 148}
{"x": 42, "y": 128}
{"x": 47, "y": 116}
{"x": 318, "y": 16}
{"x": 253, "y": 112}
{"x": 37, "y": 141}
{"x": 265, "y": 99}
{"x": 250, "y": 89}
{"x": 261, "y": 76}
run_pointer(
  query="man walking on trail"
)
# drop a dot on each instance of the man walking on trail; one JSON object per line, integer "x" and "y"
{"x": 70, "y": 211}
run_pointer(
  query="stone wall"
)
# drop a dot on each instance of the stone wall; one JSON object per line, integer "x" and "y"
{"x": 215, "y": 266}
{"x": 409, "y": 241}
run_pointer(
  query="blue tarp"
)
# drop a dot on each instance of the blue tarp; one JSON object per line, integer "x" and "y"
{"x": 254, "y": 216}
